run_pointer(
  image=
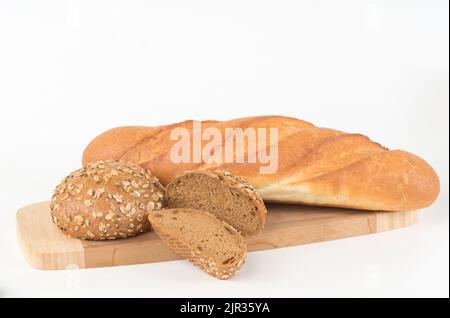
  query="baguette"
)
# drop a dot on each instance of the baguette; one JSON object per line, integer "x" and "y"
{"x": 212, "y": 244}
{"x": 316, "y": 166}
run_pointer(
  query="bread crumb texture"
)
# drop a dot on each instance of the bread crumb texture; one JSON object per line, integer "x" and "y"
{"x": 230, "y": 198}
{"x": 199, "y": 236}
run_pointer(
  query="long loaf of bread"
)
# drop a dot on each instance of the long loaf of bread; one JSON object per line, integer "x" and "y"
{"x": 316, "y": 166}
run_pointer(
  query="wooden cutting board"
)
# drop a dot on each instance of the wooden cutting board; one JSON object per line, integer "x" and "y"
{"x": 45, "y": 247}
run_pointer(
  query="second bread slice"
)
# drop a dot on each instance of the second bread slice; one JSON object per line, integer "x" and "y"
{"x": 230, "y": 198}
{"x": 200, "y": 237}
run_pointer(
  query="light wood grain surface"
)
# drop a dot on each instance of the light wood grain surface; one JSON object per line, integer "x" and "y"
{"x": 45, "y": 247}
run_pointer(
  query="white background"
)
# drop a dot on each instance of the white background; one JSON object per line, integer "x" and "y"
{"x": 72, "y": 69}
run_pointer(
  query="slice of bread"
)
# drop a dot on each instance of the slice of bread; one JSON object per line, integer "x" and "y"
{"x": 212, "y": 244}
{"x": 228, "y": 197}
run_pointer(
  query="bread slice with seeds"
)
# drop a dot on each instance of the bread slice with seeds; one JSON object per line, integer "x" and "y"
{"x": 199, "y": 236}
{"x": 230, "y": 198}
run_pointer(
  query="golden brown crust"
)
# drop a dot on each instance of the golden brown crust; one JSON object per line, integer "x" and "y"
{"x": 315, "y": 165}
{"x": 199, "y": 258}
{"x": 106, "y": 200}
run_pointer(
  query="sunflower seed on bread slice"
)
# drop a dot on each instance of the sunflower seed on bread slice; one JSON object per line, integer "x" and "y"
{"x": 199, "y": 236}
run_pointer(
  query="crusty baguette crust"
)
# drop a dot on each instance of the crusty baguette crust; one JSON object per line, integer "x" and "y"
{"x": 317, "y": 166}
{"x": 197, "y": 257}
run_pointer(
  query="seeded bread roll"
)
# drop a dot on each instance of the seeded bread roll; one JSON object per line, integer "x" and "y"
{"x": 106, "y": 200}
{"x": 199, "y": 236}
{"x": 228, "y": 197}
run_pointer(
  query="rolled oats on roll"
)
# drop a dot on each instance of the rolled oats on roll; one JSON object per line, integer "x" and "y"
{"x": 108, "y": 199}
